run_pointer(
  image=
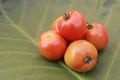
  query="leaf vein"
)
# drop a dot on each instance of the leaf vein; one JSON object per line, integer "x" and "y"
{"x": 113, "y": 60}
{"x": 9, "y": 38}
{"x": 23, "y": 11}
{"x": 29, "y": 66}
{"x": 108, "y": 19}
{"x": 17, "y": 52}
{"x": 43, "y": 19}
{"x": 18, "y": 27}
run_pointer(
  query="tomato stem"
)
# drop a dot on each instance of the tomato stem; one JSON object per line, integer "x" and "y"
{"x": 66, "y": 15}
{"x": 87, "y": 59}
{"x": 89, "y": 26}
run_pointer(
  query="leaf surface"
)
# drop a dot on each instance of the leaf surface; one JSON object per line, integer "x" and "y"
{"x": 22, "y": 22}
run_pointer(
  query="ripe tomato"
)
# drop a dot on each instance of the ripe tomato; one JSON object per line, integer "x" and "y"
{"x": 81, "y": 56}
{"x": 55, "y": 24}
{"x": 72, "y": 25}
{"x": 52, "y": 46}
{"x": 97, "y": 35}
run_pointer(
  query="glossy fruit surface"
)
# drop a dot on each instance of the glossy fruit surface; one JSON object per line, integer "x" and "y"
{"x": 52, "y": 46}
{"x": 97, "y": 35}
{"x": 81, "y": 56}
{"x": 72, "y": 25}
{"x": 55, "y": 24}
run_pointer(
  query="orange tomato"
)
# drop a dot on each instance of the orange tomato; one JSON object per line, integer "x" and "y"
{"x": 81, "y": 56}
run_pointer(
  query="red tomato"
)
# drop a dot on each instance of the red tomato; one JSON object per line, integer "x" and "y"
{"x": 81, "y": 56}
{"x": 72, "y": 25}
{"x": 52, "y": 45}
{"x": 97, "y": 35}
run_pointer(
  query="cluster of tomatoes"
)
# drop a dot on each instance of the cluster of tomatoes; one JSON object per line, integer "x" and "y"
{"x": 74, "y": 39}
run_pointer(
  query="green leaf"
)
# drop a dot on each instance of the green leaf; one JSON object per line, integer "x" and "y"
{"x": 21, "y": 23}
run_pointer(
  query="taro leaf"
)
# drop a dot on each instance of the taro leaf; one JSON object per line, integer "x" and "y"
{"x": 21, "y": 23}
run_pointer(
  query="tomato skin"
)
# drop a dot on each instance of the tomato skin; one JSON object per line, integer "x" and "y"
{"x": 97, "y": 35}
{"x": 76, "y": 54}
{"x": 73, "y": 27}
{"x": 51, "y": 45}
{"x": 55, "y": 24}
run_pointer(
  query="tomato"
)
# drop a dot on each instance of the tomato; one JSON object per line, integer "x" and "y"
{"x": 81, "y": 56}
{"x": 97, "y": 35}
{"x": 52, "y": 45}
{"x": 55, "y": 24}
{"x": 71, "y": 26}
